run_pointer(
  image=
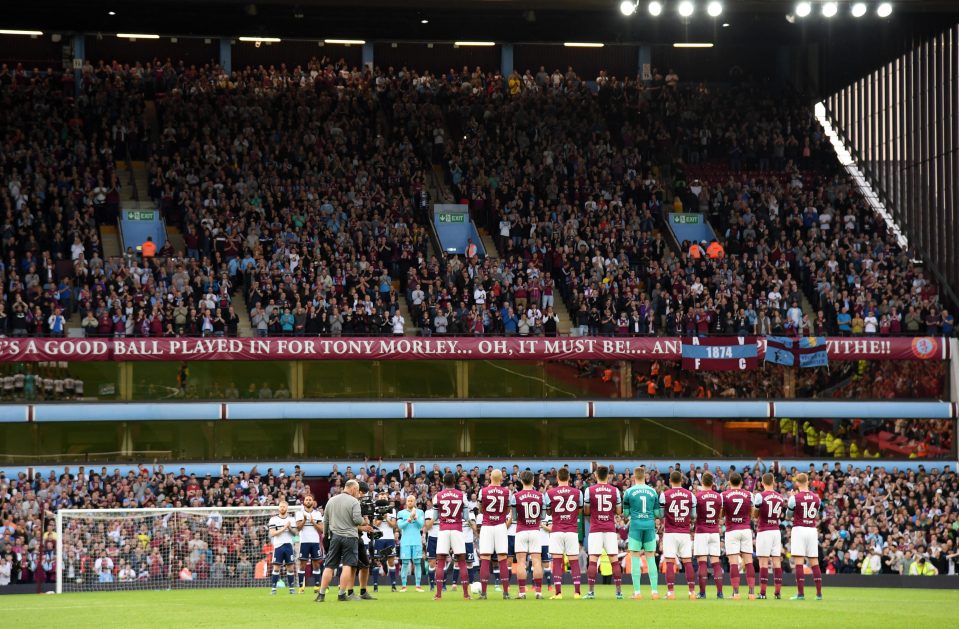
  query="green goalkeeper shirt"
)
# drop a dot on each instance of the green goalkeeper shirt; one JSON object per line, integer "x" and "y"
{"x": 641, "y": 504}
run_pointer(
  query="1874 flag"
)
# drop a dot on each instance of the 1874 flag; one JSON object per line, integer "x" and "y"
{"x": 720, "y": 353}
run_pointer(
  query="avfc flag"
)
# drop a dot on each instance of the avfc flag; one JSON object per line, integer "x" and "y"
{"x": 720, "y": 353}
{"x": 811, "y": 351}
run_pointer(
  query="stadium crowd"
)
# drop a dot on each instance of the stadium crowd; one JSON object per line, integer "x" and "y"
{"x": 872, "y": 513}
{"x": 306, "y": 188}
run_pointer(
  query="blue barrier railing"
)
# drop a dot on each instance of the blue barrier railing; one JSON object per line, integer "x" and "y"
{"x": 473, "y": 409}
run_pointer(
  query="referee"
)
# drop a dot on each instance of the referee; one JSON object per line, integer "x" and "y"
{"x": 342, "y": 518}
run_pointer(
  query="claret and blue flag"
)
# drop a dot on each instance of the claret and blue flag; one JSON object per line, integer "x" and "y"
{"x": 811, "y": 351}
{"x": 724, "y": 353}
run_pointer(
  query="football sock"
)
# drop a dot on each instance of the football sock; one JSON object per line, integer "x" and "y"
{"x": 504, "y": 574}
{"x": 734, "y": 577}
{"x": 653, "y": 573}
{"x": 464, "y": 578}
{"x": 618, "y": 576}
{"x": 763, "y": 579}
{"x": 318, "y": 577}
{"x": 521, "y": 582}
{"x": 591, "y": 574}
{"x": 301, "y": 578}
{"x": 718, "y": 576}
{"x": 547, "y": 572}
{"x": 778, "y": 579}
{"x": 473, "y": 573}
{"x": 577, "y": 574}
{"x": 538, "y": 585}
{"x": 291, "y": 580}
{"x": 690, "y": 576}
{"x": 417, "y": 573}
{"x": 440, "y": 574}
{"x": 432, "y": 576}
{"x": 670, "y": 576}
{"x": 484, "y": 573}
{"x": 751, "y": 576}
{"x": 817, "y": 579}
{"x": 800, "y": 586}
{"x": 703, "y": 576}
{"x": 636, "y": 572}
{"x": 558, "y": 574}
{"x": 274, "y": 577}
{"x": 394, "y": 573}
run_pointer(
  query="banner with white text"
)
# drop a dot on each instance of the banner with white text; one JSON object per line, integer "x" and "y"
{"x": 419, "y": 348}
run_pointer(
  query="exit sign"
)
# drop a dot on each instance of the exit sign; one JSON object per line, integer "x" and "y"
{"x": 141, "y": 215}
{"x": 450, "y": 217}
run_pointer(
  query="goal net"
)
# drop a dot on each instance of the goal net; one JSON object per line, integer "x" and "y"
{"x": 140, "y": 549}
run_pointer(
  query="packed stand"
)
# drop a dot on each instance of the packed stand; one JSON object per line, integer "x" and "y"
{"x": 58, "y": 169}
{"x": 292, "y": 187}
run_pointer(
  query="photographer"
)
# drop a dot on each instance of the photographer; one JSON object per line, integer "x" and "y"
{"x": 384, "y": 541}
{"x": 342, "y": 520}
{"x": 367, "y": 512}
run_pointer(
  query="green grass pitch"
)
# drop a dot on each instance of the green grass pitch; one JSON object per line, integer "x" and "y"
{"x": 842, "y": 607}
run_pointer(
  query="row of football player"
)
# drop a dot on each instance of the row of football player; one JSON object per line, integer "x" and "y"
{"x": 691, "y": 525}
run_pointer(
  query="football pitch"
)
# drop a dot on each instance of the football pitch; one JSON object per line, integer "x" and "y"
{"x": 842, "y": 607}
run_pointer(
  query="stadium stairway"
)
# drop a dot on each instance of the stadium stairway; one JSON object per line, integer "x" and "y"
{"x": 245, "y": 327}
{"x": 410, "y": 327}
{"x": 488, "y": 243}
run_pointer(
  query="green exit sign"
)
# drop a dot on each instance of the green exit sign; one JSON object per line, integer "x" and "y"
{"x": 685, "y": 219}
{"x": 450, "y": 217}
{"x": 141, "y": 215}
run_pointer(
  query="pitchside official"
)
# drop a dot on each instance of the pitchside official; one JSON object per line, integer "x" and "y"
{"x": 342, "y": 519}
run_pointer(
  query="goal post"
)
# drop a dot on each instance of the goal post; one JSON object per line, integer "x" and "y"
{"x": 164, "y": 548}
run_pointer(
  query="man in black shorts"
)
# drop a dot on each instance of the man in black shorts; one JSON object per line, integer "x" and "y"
{"x": 342, "y": 520}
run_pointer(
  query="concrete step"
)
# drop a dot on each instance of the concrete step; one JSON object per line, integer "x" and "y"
{"x": 151, "y": 120}
{"x": 242, "y": 311}
{"x": 410, "y": 327}
{"x": 110, "y": 241}
{"x": 488, "y": 242}
{"x": 559, "y": 307}
{"x": 176, "y": 239}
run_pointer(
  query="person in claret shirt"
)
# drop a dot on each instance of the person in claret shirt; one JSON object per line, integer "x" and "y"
{"x": 768, "y": 507}
{"x": 803, "y": 508}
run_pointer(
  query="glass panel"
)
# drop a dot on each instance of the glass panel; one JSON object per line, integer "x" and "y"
{"x": 342, "y": 438}
{"x": 253, "y": 439}
{"x": 60, "y": 380}
{"x": 435, "y": 438}
{"x": 80, "y": 440}
{"x": 220, "y": 380}
{"x": 496, "y": 438}
{"x": 339, "y": 379}
{"x": 178, "y": 440}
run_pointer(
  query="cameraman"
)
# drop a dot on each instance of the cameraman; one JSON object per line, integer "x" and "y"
{"x": 363, "y": 551}
{"x": 343, "y": 521}
{"x": 384, "y": 541}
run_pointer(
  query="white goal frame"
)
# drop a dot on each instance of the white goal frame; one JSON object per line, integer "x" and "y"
{"x": 260, "y": 510}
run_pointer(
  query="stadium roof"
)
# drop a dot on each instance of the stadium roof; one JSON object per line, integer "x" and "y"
{"x": 448, "y": 20}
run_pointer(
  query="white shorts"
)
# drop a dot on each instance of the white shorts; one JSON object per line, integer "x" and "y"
{"x": 740, "y": 541}
{"x": 564, "y": 544}
{"x": 447, "y": 541}
{"x": 769, "y": 544}
{"x": 677, "y": 546}
{"x": 528, "y": 542}
{"x": 596, "y": 543}
{"x": 493, "y": 539}
{"x": 804, "y": 542}
{"x": 706, "y": 544}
